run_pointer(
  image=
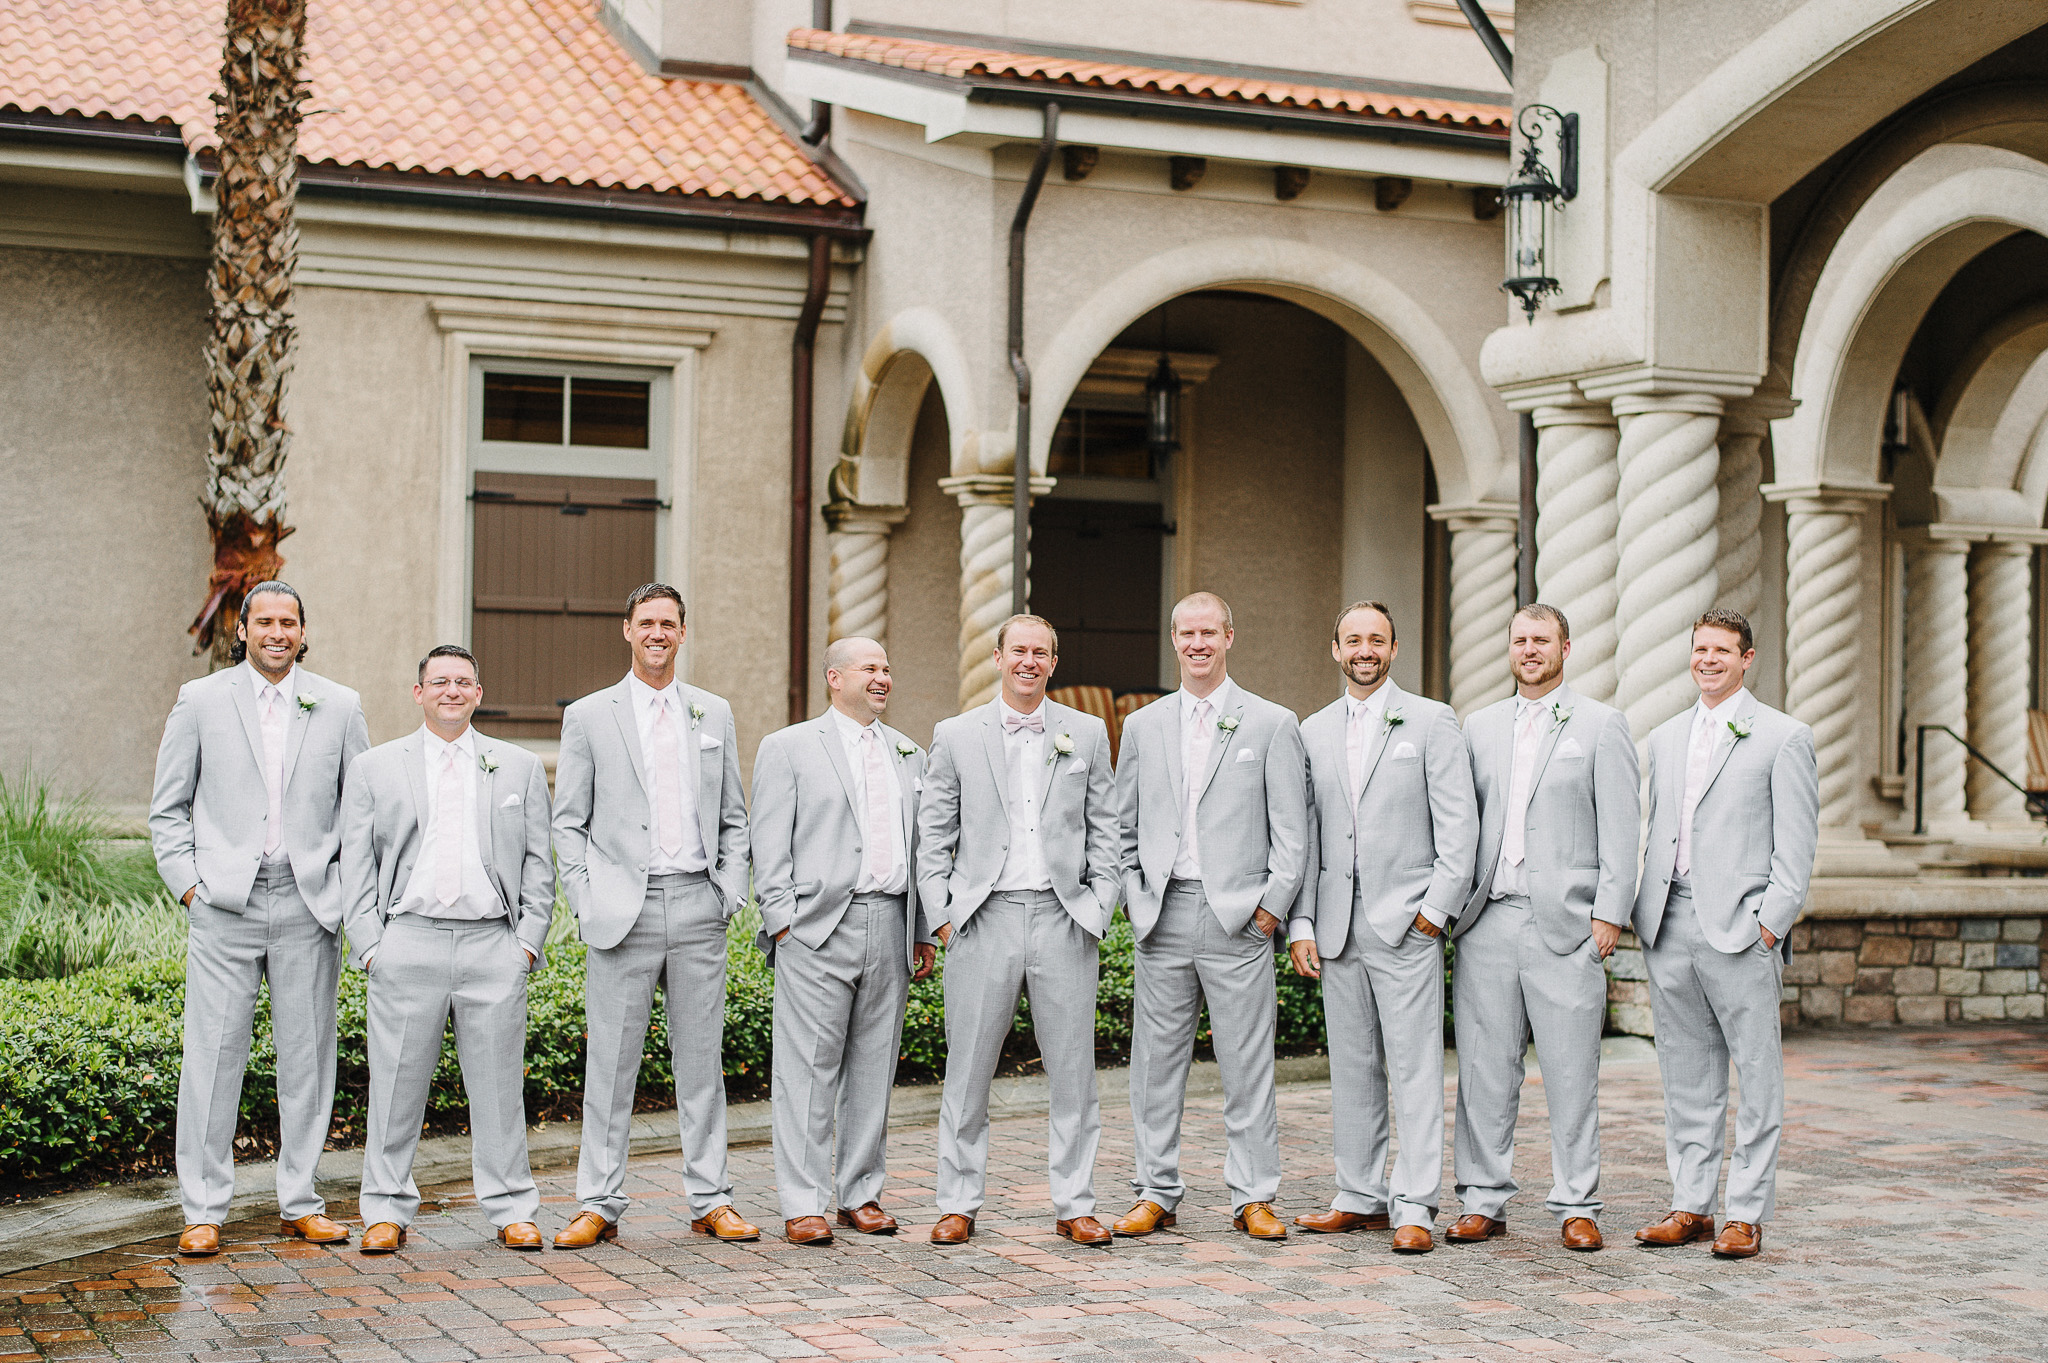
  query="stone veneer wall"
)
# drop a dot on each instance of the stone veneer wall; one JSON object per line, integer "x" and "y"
{"x": 1878, "y": 972}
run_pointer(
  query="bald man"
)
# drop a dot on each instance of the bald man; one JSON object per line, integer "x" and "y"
{"x": 835, "y": 842}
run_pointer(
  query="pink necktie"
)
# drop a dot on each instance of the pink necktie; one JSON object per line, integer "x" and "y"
{"x": 1696, "y": 760}
{"x": 668, "y": 782}
{"x": 1520, "y": 785}
{"x": 881, "y": 846}
{"x": 448, "y": 832}
{"x": 273, "y": 768}
{"x": 1198, "y": 768}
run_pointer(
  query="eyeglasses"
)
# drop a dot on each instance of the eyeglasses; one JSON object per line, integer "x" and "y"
{"x": 450, "y": 684}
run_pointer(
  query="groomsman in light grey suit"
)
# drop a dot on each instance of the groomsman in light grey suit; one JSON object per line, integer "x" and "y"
{"x": 245, "y": 822}
{"x": 1558, "y": 810}
{"x": 1734, "y": 822}
{"x": 1016, "y": 869}
{"x": 835, "y": 845}
{"x": 1395, "y": 834}
{"x": 651, "y": 838}
{"x": 444, "y": 853}
{"x": 1213, "y": 796}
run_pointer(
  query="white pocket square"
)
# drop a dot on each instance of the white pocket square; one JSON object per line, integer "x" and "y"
{"x": 917, "y": 786}
{"x": 515, "y": 798}
{"x": 1402, "y": 749}
{"x": 706, "y": 741}
{"x": 1077, "y": 765}
{"x": 1569, "y": 747}
{"x": 1247, "y": 755}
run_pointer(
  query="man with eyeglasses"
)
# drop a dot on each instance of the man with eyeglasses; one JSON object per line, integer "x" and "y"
{"x": 450, "y": 886}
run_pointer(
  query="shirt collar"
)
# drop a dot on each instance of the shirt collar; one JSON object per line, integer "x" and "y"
{"x": 645, "y": 695}
{"x": 435, "y": 745}
{"x": 1374, "y": 704}
{"x": 849, "y": 727}
{"x": 1701, "y": 710}
{"x": 286, "y": 688}
{"x": 1219, "y": 699}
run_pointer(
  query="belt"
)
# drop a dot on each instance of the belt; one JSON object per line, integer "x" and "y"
{"x": 1508, "y": 899}
{"x": 1024, "y": 896}
{"x": 666, "y": 879}
{"x": 420, "y": 920}
{"x": 879, "y": 897}
{"x": 1184, "y": 887}
{"x": 1681, "y": 886}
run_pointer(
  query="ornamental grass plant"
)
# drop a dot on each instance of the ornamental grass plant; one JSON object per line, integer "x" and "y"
{"x": 74, "y": 897}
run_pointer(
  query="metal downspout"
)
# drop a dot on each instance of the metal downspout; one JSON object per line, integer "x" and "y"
{"x": 1020, "y": 490}
{"x": 802, "y": 381}
{"x": 820, "y": 127}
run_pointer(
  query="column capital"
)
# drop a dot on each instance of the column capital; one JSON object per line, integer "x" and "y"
{"x": 854, "y": 518}
{"x": 1754, "y": 414}
{"x": 1658, "y": 381}
{"x": 1575, "y": 413}
{"x": 1499, "y": 517}
{"x": 1529, "y": 397}
{"x": 1950, "y": 538}
{"x": 990, "y": 489}
{"x": 1691, "y": 404}
{"x": 1820, "y": 499}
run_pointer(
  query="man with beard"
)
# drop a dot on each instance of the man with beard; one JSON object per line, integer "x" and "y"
{"x": 835, "y": 842}
{"x": 245, "y": 822}
{"x": 1556, "y": 778}
{"x": 1395, "y": 831}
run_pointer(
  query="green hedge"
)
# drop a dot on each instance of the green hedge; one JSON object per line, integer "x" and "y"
{"x": 89, "y": 1063}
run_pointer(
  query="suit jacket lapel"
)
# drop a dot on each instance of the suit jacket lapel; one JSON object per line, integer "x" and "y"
{"x": 1222, "y": 738}
{"x": 1722, "y": 752}
{"x": 705, "y": 777}
{"x": 1176, "y": 775}
{"x": 629, "y": 734}
{"x": 835, "y": 752}
{"x": 245, "y": 706}
{"x": 298, "y": 719}
{"x": 486, "y": 805}
{"x": 998, "y": 754}
{"x": 1560, "y": 697}
{"x": 415, "y": 765}
{"x": 1055, "y": 723}
{"x": 890, "y": 738}
{"x": 1379, "y": 740}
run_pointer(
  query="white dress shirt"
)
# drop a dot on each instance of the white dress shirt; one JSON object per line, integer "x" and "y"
{"x": 284, "y": 696}
{"x": 478, "y": 898}
{"x": 1199, "y": 745}
{"x": 1511, "y": 877}
{"x": 1709, "y": 731}
{"x": 647, "y": 704}
{"x": 853, "y": 738}
{"x": 1024, "y": 753}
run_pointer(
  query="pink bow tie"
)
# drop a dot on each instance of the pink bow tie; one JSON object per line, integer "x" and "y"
{"x": 1013, "y": 723}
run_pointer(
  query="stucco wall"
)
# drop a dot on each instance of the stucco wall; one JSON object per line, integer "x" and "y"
{"x": 924, "y": 587}
{"x": 103, "y": 550}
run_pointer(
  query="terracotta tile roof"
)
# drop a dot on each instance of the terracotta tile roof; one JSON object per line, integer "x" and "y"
{"x": 521, "y": 90}
{"x": 962, "y": 63}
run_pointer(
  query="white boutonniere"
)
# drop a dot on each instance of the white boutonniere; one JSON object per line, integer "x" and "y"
{"x": 1228, "y": 724}
{"x": 906, "y": 749}
{"x": 483, "y": 760}
{"x": 1394, "y": 719}
{"x": 1062, "y": 746}
{"x": 306, "y": 702}
{"x": 1739, "y": 729}
{"x": 1559, "y": 716}
{"x": 696, "y": 714}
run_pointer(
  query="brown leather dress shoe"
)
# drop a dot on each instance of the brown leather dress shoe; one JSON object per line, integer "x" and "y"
{"x": 521, "y": 1235}
{"x": 723, "y": 1223}
{"x": 1581, "y": 1234}
{"x": 868, "y": 1219}
{"x": 1085, "y": 1230}
{"x": 1739, "y": 1240}
{"x": 314, "y": 1230}
{"x": 1677, "y": 1228}
{"x": 1467, "y": 1230}
{"x": 586, "y": 1230}
{"x": 1333, "y": 1222}
{"x": 1257, "y": 1221}
{"x": 1413, "y": 1240}
{"x": 808, "y": 1230}
{"x": 953, "y": 1229}
{"x": 383, "y": 1238}
{"x": 1143, "y": 1219}
{"x": 199, "y": 1240}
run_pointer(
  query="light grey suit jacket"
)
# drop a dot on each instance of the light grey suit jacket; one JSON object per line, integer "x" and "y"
{"x": 1579, "y": 842}
{"x": 963, "y": 817}
{"x": 208, "y": 812}
{"x": 603, "y": 808}
{"x": 1416, "y": 817}
{"x": 383, "y": 823}
{"x": 1251, "y": 819}
{"x": 806, "y": 829}
{"x": 1753, "y": 836}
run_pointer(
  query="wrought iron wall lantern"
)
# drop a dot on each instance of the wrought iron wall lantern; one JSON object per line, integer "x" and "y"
{"x": 1528, "y": 196}
{"x": 1162, "y": 412}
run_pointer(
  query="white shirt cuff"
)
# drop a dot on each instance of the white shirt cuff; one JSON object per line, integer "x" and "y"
{"x": 1437, "y": 917}
{"x": 1301, "y": 930}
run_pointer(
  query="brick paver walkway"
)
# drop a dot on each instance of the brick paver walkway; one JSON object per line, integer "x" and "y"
{"x": 1907, "y": 1230}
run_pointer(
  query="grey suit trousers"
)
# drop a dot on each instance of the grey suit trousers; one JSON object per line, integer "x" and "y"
{"x": 1188, "y": 958}
{"x": 1383, "y": 1008}
{"x": 228, "y": 956}
{"x": 425, "y": 970}
{"x": 678, "y": 945}
{"x": 1711, "y": 1007}
{"x": 838, "y": 1030}
{"x": 1020, "y": 942}
{"x": 1507, "y": 985}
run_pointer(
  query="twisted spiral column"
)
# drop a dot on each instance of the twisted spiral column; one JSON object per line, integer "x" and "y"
{"x": 1575, "y": 522}
{"x": 1482, "y": 605}
{"x": 857, "y": 597}
{"x": 985, "y": 525}
{"x": 1824, "y": 641}
{"x": 1739, "y": 521}
{"x": 1667, "y": 548}
{"x": 1937, "y": 669}
{"x": 2001, "y": 620}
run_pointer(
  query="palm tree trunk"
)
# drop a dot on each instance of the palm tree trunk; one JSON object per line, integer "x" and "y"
{"x": 250, "y": 338}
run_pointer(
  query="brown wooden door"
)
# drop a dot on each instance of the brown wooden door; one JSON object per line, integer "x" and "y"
{"x": 555, "y": 558}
